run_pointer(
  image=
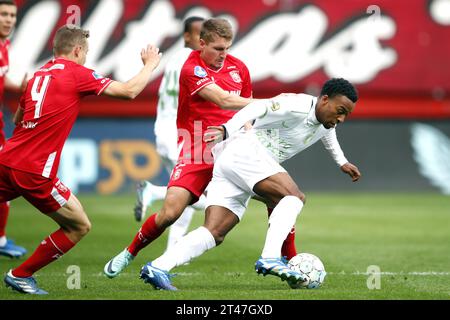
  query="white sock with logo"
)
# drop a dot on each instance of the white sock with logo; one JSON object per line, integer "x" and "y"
{"x": 191, "y": 246}
{"x": 281, "y": 221}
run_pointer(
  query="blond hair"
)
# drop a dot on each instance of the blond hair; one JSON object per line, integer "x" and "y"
{"x": 67, "y": 37}
{"x": 216, "y": 27}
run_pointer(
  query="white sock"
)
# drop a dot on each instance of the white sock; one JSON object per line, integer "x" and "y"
{"x": 2, "y": 241}
{"x": 192, "y": 245}
{"x": 281, "y": 221}
{"x": 180, "y": 227}
{"x": 158, "y": 192}
{"x": 200, "y": 204}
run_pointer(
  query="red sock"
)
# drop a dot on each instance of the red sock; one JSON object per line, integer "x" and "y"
{"x": 288, "y": 249}
{"x": 53, "y": 247}
{"x": 147, "y": 233}
{"x": 4, "y": 211}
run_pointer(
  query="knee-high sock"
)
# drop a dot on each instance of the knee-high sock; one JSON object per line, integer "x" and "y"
{"x": 4, "y": 212}
{"x": 281, "y": 221}
{"x": 146, "y": 234}
{"x": 180, "y": 227}
{"x": 288, "y": 249}
{"x": 50, "y": 249}
{"x": 192, "y": 245}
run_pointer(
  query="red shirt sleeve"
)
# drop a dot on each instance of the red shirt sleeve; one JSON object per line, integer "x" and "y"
{"x": 246, "y": 91}
{"x": 194, "y": 77}
{"x": 89, "y": 82}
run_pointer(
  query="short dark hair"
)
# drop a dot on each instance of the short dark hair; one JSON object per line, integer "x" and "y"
{"x": 189, "y": 21}
{"x": 8, "y": 2}
{"x": 339, "y": 86}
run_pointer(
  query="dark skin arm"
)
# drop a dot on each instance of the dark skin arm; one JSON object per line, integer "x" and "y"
{"x": 352, "y": 171}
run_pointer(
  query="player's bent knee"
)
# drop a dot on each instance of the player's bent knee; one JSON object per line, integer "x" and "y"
{"x": 295, "y": 192}
{"x": 218, "y": 236}
{"x": 81, "y": 227}
{"x": 84, "y": 228}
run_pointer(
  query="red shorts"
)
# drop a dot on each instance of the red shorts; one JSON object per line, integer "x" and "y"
{"x": 47, "y": 195}
{"x": 192, "y": 177}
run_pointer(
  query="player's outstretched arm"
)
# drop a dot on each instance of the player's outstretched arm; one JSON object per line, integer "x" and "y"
{"x": 132, "y": 88}
{"x": 11, "y": 86}
{"x": 351, "y": 170}
{"x": 222, "y": 98}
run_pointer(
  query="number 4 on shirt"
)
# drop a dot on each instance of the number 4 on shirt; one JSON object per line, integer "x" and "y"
{"x": 39, "y": 96}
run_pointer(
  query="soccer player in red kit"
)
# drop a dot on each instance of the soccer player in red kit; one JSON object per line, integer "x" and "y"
{"x": 30, "y": 158}
{"x": 212, "y": 83}
{"x": 8, "y": 17}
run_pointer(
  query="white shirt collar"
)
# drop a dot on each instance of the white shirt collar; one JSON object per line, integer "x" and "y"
{"x": 312, "y": 119}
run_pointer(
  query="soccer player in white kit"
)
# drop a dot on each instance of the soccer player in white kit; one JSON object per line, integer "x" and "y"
{"x": 166, "y": 132}
{"x": 247, "y": 164}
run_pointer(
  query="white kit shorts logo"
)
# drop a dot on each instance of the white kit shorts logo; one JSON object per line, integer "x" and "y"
{"x": 61, "y": 187}
{"x": 235, "y": 76}
{"x": 176, "y": 174}
{"x": 200, "y": 72}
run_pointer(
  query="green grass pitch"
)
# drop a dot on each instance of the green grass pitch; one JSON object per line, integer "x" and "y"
{"x": 405, "y": 235}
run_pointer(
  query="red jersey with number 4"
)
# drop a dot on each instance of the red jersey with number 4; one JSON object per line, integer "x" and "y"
{"x": 51, "y": 103}
{"x": 194, "y": 113}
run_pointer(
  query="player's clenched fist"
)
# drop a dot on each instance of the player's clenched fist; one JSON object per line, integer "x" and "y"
{"x": 151, "y": 55}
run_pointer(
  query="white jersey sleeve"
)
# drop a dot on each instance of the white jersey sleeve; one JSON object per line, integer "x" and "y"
{"x": 268, "y": 111}
{"x": 331, "y": 143}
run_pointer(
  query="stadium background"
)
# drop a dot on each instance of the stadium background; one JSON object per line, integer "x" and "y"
{"x": 395, "y": 52}
{"x": 396, "y": 217}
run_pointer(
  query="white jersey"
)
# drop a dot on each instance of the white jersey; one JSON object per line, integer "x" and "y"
{"x": 285, "y": 126}
{"x": 166, "y": 116}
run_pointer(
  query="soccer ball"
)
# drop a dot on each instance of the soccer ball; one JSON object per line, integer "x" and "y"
{"x": 309, "y": 265}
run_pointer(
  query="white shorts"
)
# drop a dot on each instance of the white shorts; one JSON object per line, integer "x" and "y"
{"x": 242, "y": 164}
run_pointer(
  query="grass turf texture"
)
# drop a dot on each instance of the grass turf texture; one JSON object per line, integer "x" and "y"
{"x": 406, "y": 235}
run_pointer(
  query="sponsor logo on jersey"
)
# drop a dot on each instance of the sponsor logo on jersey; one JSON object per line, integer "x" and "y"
{"x": 200, "y": 72}
{"x": 29, "y": 124}
{"x": 235, "y": 92}
{"x": 199, "y": 82}
{"x": 97, "y": 76}
{"x": 275, "y": 106}
{"x": 235, "y": 76}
